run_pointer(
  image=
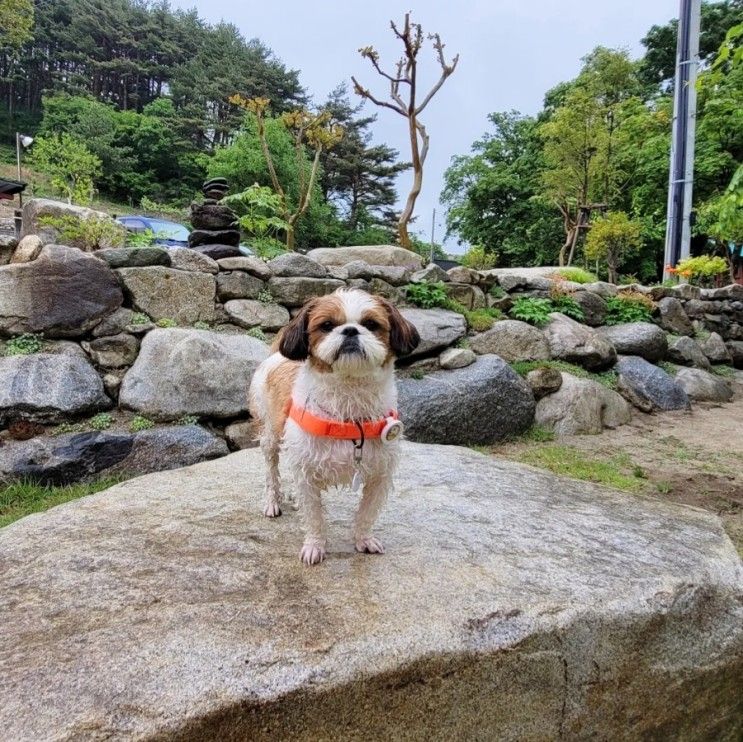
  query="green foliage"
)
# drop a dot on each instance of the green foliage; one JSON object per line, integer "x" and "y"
{"x": 90, "y": 233}
{"x": 478, "y": 259}
{"x": 71, "y": 166}
{"x": 166, "y": 322}
{"x": 67, "y": 427}
{"x": 702, "y": 269}
{"x": 628, "y": 307}
{"x": 538, "y": 434}
{"x": 574, "y": 274}
{"x": 608, "y": 378}
{"x": 613, "y": 238}
{"x": 426, "y": 295}
{"x": 139, "y": 423}
{"x": 140, "y": 239}
{"x": 23, "y": 345}
{"x": 497, "y": 292}
{"x": 101, "y": 421}
{"x": 16, "y": 23}
{"x": 200, "y": 325}
{"x": 259, "y": 209}
{"x": 670, "y": 368}
{"x": 188, "y": 420}
{"x": 727, "y": 372}
{"x": 532, "y": 310}
{"x": 258, "y": 334}
{"x": 140, "y": 318}
{"x": 567, "y": 305}
{"x": 265, "y": 296}
{"x": 480, "y": 320}
{"x": 417, "y": 374}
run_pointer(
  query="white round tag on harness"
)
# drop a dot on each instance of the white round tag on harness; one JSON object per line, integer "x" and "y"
{"x": 391, "y": 431}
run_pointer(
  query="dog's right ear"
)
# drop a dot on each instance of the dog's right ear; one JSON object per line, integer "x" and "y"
{"x": 295, "y": 339}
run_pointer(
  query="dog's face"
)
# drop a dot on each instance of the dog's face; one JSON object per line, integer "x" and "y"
{"x": 350, "y": 332}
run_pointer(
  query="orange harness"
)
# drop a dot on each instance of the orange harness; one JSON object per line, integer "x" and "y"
{"x": 339, "y": 429}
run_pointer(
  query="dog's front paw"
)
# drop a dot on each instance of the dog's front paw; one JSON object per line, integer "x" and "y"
{"x": 312, "y": 553}
{"x": 369, "y": 545}
{"x": 272, "y": 509}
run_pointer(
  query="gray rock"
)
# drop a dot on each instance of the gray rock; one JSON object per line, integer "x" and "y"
{"x": 192, "y": 372}
{"x": 638, "y": 339}
{"x": 591, "y": 613}
{"x": 686, "y": 291}
{"x": 77, "y": 457}
{"x": 63, "y": 293}
{"x": 512, "y": 340}
{"x": 432, "y": 273}
{"x": 470, "y": 297}
{"x": 438, "y": 328}
{"x": 293, "y": 292}
{"x": 733, "y": 292}
{"x": 36, "y": 209}
{"x": 218, "y": 252}
{"x": 571, "y": 341}
{"x": 673, "y": 318}
{"x": 371, "y": 254}
{"x": 702, "y": 386}
{"x": 113, "y": 351}
{"x": 112, "y": 383}
{"x": 213, "y": 216}
{"x": 167, "y": 293}
{"x": 209, "y": 237}
{"x": 393, "y": 274}
{"x": 736, "y": 352}
{"x": 453, "y": 358}
{"x": 640, "y": 381}
{"x": 543, "y": 381}
{"x": 387, "y": 290}
{"x": 603, "y": 289}
{"x": 247, "y": 313}
{"x": 134, "y": 257}
{"x": 254, "y": 266}
{"x": 238, "y": 285}
{"x": 686, "y": 352}
{"x": 8, "y": 244}
{"x": 28, "y": 249}
{"x": 511, "y": 282}
{"x": 191, "y": 260}
{"x": 593, "y": 306}
{"x": 714, "y": 348}
{"x": 656, "y": 293}
{"x": 294, "y": 265}
{"x": 115, "y": 323}
{"x": 460, "y": 274}
{"x": 337, "y": 271}
{"x": 49, "y": 387}
{"x": 482, "y": 403}
{"x": 242, "y": 434}
{"x": 582, "y": 406}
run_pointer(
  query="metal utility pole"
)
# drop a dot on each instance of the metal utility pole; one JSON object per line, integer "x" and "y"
{"x": 433, "y": 226}
{"x": 681, "y": 171}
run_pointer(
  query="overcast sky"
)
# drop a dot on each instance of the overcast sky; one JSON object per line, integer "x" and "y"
{"x": 511, "y": 52}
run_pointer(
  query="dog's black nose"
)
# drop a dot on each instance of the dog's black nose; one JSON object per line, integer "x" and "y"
{"x": 349, "y": 331}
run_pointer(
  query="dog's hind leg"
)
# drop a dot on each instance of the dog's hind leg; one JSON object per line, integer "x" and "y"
{"x": 270, "y": 445}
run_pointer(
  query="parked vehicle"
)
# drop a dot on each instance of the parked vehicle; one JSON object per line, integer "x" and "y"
{"x": 165, "y": 233}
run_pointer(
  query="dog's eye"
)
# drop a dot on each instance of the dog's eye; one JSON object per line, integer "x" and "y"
{"x": 371, "y": 325}
{"x": 327, "y": 326}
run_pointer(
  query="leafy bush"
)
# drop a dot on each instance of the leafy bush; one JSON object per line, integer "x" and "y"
{"x": 703, "y": 269}
{"x": 101, "y": 421}
{"x": 139, "y": 422}
{"x": 426, "y": 295}
{"x": 478, "y": 259}
{"x": 480, "y": 320}
{"x": 90, "y": 233}
{"x": 140, "y": 239}
{"x": 563, "y": 301}
{"x": 628, "y": 306}
{"x": 574, "y": 274}
{"x": 534, "y": 311}
{"x": 613, "y": 238}
{"x": 497, "y": 292}
{"x": 166, "y": 322}
{"x": 24, "y": 345}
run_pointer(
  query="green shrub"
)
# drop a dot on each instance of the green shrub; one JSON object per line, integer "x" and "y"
{"x": 188, "y": 420}
{"x": 565, "y": 303}
{"x": 101, "y": 421}
{"x": 140, "y": 239}
{"x": 90, "y": 233}
{"x": 138, "y": 422}
{"x": 140, "y": 318}
{"x": 166, "y": 322}
{"x": 727, "y": 372}
{"x": 267, "y": 247}
{"x": 628, "y": 306}
{"x": 702, "y": 269}
{"x": 63, "y": 428}
{"x": 256, "y": 332}
{"x": 576, "y": 275}
{"x": 480, "y": 320}
{"x": 24, "y": 345}
{"x": 426, "y": 295}
{"x": 417, "y": 374}
{"x": 534, "y": 311}
{"x": 478, "y": 259}
{"x": 497, "y": 292}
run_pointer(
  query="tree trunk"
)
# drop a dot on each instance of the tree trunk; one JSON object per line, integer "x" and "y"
{"x": 564, "y": 248}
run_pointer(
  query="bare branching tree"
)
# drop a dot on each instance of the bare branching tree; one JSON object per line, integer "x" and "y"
{"x": 404, "y": 97}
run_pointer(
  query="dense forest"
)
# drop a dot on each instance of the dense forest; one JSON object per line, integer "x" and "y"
{"x": 140, "y": 99}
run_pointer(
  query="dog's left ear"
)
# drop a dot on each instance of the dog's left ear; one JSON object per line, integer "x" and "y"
{"x": 404, "y": 338}
{"x": 295, "y": 340}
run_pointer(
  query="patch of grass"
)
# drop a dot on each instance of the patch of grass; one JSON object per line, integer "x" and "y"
{"x": 462, "y": 343}
{"x": 417, "y": 374}
{"x": 538, "y": 434}
{"x": 24, "y": 345}
{"x": 727, "y": 372}
{"x": 628, "y": 306}
{"x": 576, "y": 275}
{"x": 607, "y": 378}
{"x": 480, "y": 320}
{"x": 139, "y": 422}
{"x": 257, "y": 333}
{"x": 166, "y": 322}
{"x": 101, "y": 421}
{"x": 670, "y": 368}
{"x": 63, "y": 428}
{"x": 497, "y": 292}
{"x": 265, "y": 296}
{"x": 700, "y": 333}
{"x": 663, "y": 487}
{"x": 571, "y": 462}
{"x": 480, "y": 449}
{"x": 23, "y": 498}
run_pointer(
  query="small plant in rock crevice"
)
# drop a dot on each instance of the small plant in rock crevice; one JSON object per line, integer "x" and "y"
{"x": 563, "y": 301}
{"x": 628, "y": 306}
{"x": 101, "y": 421}
{"x": 139, "y": 318}
{"x": 188, "y": 420}
{"x": 166, "y": 322}
{"x": 608, "y": 378}
{"x": 497, "y": 292}
{"x": 727, "y": 372}
{"x": 480, "y": 320}
{"x": 257, "y": 333}
{"x": 426, "y": 295}
{"x": 139, "y": 423}
{"x": 532, "y": 310}
{"x": 67, "y": 427}
{"x": 265, "y": 296}
{"x": 200, "y": 325}
{"x": 417, "y": 374}
{"x": 24, "y": 345}
{"x": 576, "y": 275}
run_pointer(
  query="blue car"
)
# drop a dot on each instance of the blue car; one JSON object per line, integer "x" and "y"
{"x": 166, "y": 233}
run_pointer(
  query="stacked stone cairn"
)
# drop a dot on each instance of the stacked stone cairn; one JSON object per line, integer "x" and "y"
{"x": 216, "y": 231}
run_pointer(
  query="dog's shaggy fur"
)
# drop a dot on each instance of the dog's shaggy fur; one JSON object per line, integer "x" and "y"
{"x": 336, "y": 360}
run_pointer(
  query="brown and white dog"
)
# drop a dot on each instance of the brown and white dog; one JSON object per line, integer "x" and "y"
{"x": 329, "y": 396}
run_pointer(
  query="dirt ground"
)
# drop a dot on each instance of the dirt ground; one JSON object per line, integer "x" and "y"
{"x": 694, "y": 458}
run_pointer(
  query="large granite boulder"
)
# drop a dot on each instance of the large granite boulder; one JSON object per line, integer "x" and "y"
{"x": 573, "y": 342}
{"x": 248, "y": 313}
{"x": 673, "y": 318}
{"x": 432, "y": 273}
{"x": 395, "y": 275}
{"x": 293, "y": 292}
{"x": 63, "y": 293}
{"x": 582, "y": 406}
{"x": 76, "y": 457}
{"x": 702, "y": 386}
{"x": 372, "y": 254}
{"x": 186, "y": 259}
{"x": 192, "y": 372}
{"x": 642, "y": 339}
{"x": 168, "y": 293}
{"x": 648, "y": 387}
{"x": 28, "y": 249}
{"x": 294, "y": 264}
{"x": 686, "y": 352}
{"x": 249, "y": 264}
{"x": 512, "y": 341}
{"x": 49, "y": 387}
{"x": 593, "y": 306}
{"x": 714, "y": 348}
{"x": 735, "y": 347}
{"x": 112, "y": 351}
{"x": 438, "y": 328}
{"x": 479, "y": 404}
{"x": 134, "y": 257}
{"x": 37, "y": 210}
{"x": 238, "y": 285}
{"x": 512, "y": 604}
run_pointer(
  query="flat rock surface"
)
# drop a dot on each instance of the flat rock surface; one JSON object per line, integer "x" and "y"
{"x": 511, "y": 604}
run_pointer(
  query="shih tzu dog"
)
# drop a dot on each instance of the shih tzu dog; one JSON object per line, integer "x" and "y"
{"x": 329, "y": 396}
